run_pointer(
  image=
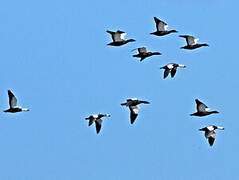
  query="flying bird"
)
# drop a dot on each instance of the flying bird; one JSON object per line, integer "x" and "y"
{"x": 192, "y": 42}
{"x": 118, "y": 38}
{"x": 97, "y": 118}
{"x": 210, "y": 133}
{"x": 202, "y": 109}
{"x": 133, "y": 107}
{"x": 161, "y": 28}
{"x": 143, "y": 53}
{"x": 13, "y": 108}
{"x": 171, "y": 68}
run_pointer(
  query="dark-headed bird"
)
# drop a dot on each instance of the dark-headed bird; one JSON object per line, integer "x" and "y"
{"x": 133, "y": 107}
{"x": 210, "y": 133}
{"x": 143, "y": 53}
{"x": 161, "y": 28}
{"x": 97, "y": 118}
{"x": 202, "y": 109}
{"x": 192, "y": 42}
{"x": 171, "y": 68}
{"x": 118, "y": 38}
{"x": 13, "y": 108}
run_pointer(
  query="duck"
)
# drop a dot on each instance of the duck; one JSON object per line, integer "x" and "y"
{"x": 118, "y": 38}
{"x": 133, "y": 103}
{"x": 192, "y": 42}
{"x": 161, "y": 27}
{"x": 143, "y": 53}
{"x": 171, "y": 68}
{"x": 210, "y": 133}
{"x": 97, "y": 118}
{"x": 202, "y": 109}
{"x": 13, "y": 108}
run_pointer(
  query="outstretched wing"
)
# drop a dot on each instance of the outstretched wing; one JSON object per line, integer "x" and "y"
{"x": 12, "y": 99}
{"x": 211, "y": 135}
{"x": 166, "y": 73}
{"x": 116, "y": 36}
{"x": 201, "y": 107}
{"x": 142, "y": 50}
{"x": 189, "y": 39}
{"x": 98, "y": 123}
{"x": 160, "y": 25}
{"x": 173, "y": 72}
{"x": 134, "y": 110}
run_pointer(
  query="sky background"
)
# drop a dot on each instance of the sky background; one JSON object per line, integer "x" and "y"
{"x": 55, "y": 59}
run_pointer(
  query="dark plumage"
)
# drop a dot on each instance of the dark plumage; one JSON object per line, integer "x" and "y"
{"x": 143, "y": 53}
{"x": 192, "y": 42}
{"x": 133, "y": 106}
{"x": 161, "y": 28}
{"x": 202, "y": 109}
{"x": 210, "y": 133}
{"x": 118, "y": 39}
{"x": 171, "y": 68}
{"x": 13, "y": 108}
{"x": 97, "y": 118}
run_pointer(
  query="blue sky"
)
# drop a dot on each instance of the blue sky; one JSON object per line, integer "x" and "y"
{"x": 55, "y": 59}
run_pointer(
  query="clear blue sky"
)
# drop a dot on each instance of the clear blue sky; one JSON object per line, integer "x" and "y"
{"x": 55, "y": 59}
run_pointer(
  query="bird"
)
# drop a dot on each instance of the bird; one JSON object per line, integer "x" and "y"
{"x": 210, "y": 133}
{"x": 171, "y": 68}
{"x": 143, "y": 53}
{"x": 192, "y": 42}
{"x": 133, "y": 103}
{"x": 97, "y": 118}
{"x": 161, "y": 28}
{"x": 13, "y": 108}
{"x": 118, "y": 38}
{"x": 202, "y": 109}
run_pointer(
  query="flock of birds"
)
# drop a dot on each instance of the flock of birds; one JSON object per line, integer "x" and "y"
{"x": 133, "y": 103}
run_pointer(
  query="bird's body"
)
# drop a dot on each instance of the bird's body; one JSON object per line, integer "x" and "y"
{"x": 13, "y": 108}
{"x": 210, "y": 133}
{"x": 161, "y": 28}
{"x": 97, "y": 119}
{"x": 171, "y": 68}
{"x": 133, "y": 106}
{"x": 202, "y": 109}
{"x": 143, "y": 53}
{"x": 192, "y": 42}
{"x": 118, "y": 38}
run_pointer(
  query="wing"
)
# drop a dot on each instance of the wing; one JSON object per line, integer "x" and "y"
{"x": 134, "y": 110}
{"x": 201, "y": 107}
{"x": 189, "y": 39}
{"x": 116, "y": 36}
{"x": 98, "y": 125}
{"x": 160, "y": 25}
{"x": 173, "y": 72}
{"x": 12, "y": 99}
{"x": 90, "y": 122}
{"x": 166, "y": 73}
{"x": 211, "y": 140}
{"x": 142, "y": 50}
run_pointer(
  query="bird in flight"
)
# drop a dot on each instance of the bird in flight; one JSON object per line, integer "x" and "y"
{"x": 118, "y": 38}
{"x": 161, "y": 28}
{"x": 133, "y": 107}
{"x": 192, "y": 42}
{"x": 202, "y": 109}
{"x": 143, "y": 53}
{"x": 97, "y": 119}
{"x": 171, "y": 68}
{"x": 13, "y": 107}
{"x": 210, "y": 133}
